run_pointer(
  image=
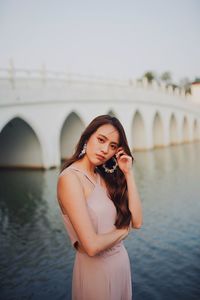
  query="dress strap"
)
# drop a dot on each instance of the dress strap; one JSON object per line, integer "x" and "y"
{"x": 86, "y": 175}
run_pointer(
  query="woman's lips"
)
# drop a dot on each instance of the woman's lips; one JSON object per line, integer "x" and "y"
{"x": 100, "y": 157}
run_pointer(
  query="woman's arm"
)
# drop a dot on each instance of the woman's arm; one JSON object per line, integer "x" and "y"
{"x": 71, "y": 199}
{"x": 134, "y": 202}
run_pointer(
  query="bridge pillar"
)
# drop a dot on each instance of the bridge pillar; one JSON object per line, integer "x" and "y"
{"x": 166, "y": 128}
{"x": 190, "y": 121}
{"x": 51, "y": 153}
{"x": 179, "y": 128}
{"x": 148, "y": 116}
{"x": 125, "y": 118}
{"x": 48, "y": 131}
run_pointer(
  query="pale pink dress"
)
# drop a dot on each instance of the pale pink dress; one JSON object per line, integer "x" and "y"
{"x": 107, "y": 275}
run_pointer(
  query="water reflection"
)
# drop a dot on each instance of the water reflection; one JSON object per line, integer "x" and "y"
{"x": 21, "y": 195}
{"x": 36, "y": 254}
{"x": 169, "y": 241}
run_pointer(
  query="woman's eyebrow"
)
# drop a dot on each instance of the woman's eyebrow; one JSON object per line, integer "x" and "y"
{"x": 107, "y": 139}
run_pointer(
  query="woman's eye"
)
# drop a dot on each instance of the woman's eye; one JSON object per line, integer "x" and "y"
{"x": 100, "y": 140}
{"x": 113, "y": 147}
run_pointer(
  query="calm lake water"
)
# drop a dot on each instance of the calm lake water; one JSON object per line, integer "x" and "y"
{"x": 36, "y": 257}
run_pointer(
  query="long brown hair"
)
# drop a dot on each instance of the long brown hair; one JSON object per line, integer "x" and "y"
{"x": 115, "y": 182}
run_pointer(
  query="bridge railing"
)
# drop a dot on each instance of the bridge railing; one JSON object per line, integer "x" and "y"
{"x": 15, "y": 77}
{"x": 13, "y": 74}
{"x": 43, "y": 74}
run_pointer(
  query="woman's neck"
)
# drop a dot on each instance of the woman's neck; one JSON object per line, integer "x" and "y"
{"x": 86, "y": 165}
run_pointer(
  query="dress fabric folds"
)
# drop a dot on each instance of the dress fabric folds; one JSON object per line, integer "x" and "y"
{"x": 107, "y": 275}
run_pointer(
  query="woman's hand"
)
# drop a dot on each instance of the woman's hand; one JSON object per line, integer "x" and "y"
{"x": 126, "y": 232}
{"x": 124, "y": 161}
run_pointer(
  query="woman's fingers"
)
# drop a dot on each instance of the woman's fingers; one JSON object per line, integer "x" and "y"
{"x": 120, "y": 153}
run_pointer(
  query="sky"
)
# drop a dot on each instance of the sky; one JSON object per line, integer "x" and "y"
{"x": 109, "y": 38}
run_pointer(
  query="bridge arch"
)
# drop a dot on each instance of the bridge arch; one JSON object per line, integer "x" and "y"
{"x": 173, "y": 130}
{"x": 20, "y": 147}
{"x": 70, "y": 133}
{"x": 158, "y": 131}
{"x": 138, "y": 132}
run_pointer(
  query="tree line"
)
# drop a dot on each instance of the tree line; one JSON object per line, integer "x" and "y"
{"x": 166, "y": 77}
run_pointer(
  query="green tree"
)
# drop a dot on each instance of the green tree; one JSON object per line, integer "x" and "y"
{"x": 149, "y": 75}
{"x": 186, "y": 84}
{"x": 166, "y": 77}
{"x": 197, "y": 79}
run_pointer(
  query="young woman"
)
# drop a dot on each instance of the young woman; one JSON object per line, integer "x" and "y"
{"x": 100, "y": 204}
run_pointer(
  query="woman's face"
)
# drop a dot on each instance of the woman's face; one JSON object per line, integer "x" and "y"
{"x": 102, "y": 144}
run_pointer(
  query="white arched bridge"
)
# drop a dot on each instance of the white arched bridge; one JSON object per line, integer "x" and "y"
{"x": 42, "y": 114}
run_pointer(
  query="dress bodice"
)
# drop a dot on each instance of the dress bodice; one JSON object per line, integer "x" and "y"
{"x": 101, "y": 209}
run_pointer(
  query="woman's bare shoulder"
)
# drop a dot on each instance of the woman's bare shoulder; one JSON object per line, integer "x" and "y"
{"x": 67, "y": 172}
{"x": 69, "y": 186}
{"x": 68, "y": 177}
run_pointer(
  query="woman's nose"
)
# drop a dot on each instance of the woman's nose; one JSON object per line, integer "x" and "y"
{"x": 105, "y": 148}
